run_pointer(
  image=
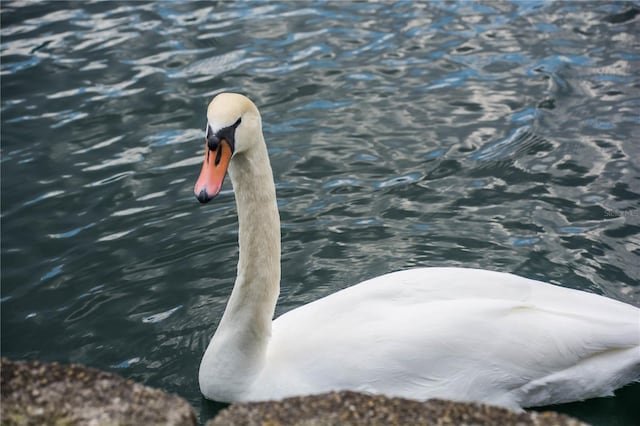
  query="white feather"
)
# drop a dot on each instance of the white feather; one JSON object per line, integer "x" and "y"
{"x": 461, "y": 334}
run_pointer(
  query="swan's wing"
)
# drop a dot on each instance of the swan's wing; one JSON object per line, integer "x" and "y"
{"x": 458, "y": 334}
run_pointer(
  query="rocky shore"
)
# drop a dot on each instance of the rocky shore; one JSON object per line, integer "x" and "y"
{"x": 35, "y": 393}
{"x": 43, "y": 394}
{"x": 356, "y": 409}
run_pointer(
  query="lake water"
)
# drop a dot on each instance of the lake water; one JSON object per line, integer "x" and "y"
{"x": 494, "y": 135}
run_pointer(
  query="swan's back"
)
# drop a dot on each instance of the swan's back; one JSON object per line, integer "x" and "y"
{"x": 462, "y": 334}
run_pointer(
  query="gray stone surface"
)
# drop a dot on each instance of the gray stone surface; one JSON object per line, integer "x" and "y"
{"x": 350, "y": 409}
{"x": 35, "y": 393}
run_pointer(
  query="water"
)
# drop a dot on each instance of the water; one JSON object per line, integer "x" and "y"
{"x": 494, "y": 135}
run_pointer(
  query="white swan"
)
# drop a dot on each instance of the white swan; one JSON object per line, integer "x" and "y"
{"x": 456, "y": 333}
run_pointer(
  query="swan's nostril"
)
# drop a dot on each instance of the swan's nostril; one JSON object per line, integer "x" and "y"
{"x": 218, "y": 156}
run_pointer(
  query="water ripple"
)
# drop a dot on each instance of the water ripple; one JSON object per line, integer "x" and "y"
{"x": 498, "y": 135}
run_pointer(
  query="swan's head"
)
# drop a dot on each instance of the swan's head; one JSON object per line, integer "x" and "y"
{"x": 233, "y": 127}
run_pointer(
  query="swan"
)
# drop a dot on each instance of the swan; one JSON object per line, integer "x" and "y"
{"x": 455, "y": 333}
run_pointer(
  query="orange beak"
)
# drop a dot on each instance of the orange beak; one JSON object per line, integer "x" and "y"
{"x": 214, "y": 169}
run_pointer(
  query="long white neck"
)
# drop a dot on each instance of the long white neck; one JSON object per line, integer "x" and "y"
{"x": 237, "y": 351}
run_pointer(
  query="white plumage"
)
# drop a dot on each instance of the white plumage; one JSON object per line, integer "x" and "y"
{"x": 456, "y": 333}
{"x": 461, "y": 334}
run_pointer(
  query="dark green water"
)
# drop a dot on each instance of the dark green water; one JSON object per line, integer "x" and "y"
{"x": 497, "y": 135}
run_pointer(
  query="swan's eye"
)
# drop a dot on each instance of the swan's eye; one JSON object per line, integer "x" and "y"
{"x": 227, "y": 133}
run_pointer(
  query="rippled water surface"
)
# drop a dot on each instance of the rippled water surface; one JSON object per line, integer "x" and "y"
{"x": 494, "y": 135}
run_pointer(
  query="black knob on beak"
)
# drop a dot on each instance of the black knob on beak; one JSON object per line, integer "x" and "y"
{"x": 213, "y": 141}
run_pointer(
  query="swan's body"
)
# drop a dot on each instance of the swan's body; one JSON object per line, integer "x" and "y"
{"x": 461, "y": 334}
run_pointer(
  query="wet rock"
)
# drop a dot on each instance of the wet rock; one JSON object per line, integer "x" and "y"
{"x": 351, "y": 408}
{"x": 35, "y": 393}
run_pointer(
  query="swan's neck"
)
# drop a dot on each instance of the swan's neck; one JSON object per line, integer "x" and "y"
{"x": 237, "y": 351}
